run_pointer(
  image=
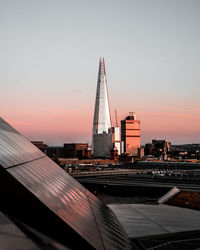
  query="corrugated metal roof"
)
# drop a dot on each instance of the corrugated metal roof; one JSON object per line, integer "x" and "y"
{"x": 69, "y": 201}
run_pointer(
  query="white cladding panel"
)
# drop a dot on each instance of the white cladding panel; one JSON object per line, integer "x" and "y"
{"x": 118, "y": 146}
{"x": 116, "y": 134}
{"x": 122, "y": 147}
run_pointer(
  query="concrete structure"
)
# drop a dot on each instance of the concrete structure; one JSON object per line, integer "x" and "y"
{"x": 102, "y": 136}
{"x": 102, "y": 145}
{"x": 140, "y": 220}
{"x": 130, "y": 134}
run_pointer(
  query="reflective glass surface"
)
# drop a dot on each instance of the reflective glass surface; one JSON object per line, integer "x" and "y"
{"x": 60, "y": 192}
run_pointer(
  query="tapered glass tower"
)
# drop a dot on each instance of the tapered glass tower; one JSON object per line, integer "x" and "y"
{"x": 102, "y": 137}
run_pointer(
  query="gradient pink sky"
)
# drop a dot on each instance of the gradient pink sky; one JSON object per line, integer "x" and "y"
{"x": 49, "y": 64}
{"x": 57, "y": 126}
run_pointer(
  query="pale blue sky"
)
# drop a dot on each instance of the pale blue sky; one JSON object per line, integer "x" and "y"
{"x": 49, "y": 52}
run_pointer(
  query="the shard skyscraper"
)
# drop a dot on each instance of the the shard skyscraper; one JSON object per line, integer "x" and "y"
{"x": 102, "y": 136}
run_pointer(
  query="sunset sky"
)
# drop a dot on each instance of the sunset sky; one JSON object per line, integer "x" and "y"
{"x": 49, "y": 55}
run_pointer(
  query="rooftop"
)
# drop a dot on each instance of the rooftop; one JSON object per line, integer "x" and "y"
{"x": 140, "y": 220}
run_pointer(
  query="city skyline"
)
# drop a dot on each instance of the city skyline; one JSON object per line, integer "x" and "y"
{"x": 49, "y": 58}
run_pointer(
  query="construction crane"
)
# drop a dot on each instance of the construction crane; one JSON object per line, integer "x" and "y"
{"x": 116, "y": 118}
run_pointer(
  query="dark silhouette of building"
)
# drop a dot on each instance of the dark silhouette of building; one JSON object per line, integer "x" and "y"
{"x": 157, "y": 148}
{"x": 68, "y": 150}
{"x": 114, "y": 153}
{"x": 55, "y": 152}
{"x": 160, "y": 147}
{"x": 40, "y": 144}
{"x": 148, "y": 149}
{"x": 76, "y": 150}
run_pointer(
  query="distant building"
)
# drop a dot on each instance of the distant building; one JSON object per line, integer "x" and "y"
{"x": 76, "y": 150}
{"x": 114, "y": 153}
{"x": 130, "y": 134}
{"x": 40, "y": 144}
{"x": 141, "y": 152}
{"x": 55, "y": 152}
{"x": 52, "y": 152}
{"x": 185, "y": 151}
{"x": 116, "y": 139}
{"x": 160, "y": 147}
{"x": 102, "y": 135}
{"x": 88, "y": 153}
{"x": 68, "y": 150}
{"x": 148, "y": 149}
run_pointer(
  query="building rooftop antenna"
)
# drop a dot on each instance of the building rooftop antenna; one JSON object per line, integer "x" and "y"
{"x": 116, "y": 118}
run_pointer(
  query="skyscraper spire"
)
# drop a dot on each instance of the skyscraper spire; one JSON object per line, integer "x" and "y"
{"x": 102, "y": 121}
{"x": 102, "y": 137}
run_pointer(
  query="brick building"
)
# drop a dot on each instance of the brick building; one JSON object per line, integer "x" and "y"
{"x": 76, "y": 150}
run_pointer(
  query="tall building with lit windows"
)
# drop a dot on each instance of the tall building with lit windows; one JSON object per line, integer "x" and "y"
{"x": 130, "y": 134}
{"x": 102, "y": 135}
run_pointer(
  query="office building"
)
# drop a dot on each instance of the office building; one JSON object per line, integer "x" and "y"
{"x": 130, "y": 135}
{"x": 102, "y": 135}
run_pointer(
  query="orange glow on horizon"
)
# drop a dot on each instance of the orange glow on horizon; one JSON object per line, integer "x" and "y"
{"x": 61, "y": 126}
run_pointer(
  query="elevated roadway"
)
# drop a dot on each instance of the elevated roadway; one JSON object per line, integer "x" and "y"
{"x": 129, "y": 178}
